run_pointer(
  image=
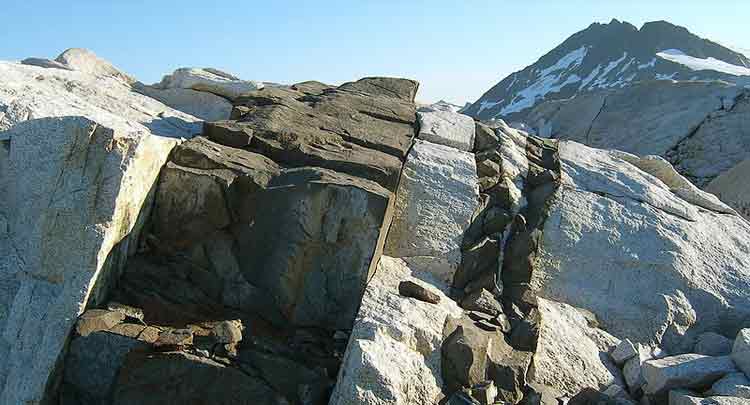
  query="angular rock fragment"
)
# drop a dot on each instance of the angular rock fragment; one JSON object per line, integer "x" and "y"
{"x": 684, "y": 371}
{"x": 95, "y": 320}
{"x": 414, "y": 290}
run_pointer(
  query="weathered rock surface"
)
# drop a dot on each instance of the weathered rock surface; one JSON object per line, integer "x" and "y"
{"x": 436, "y": 198}
{"x": 733, "y": 188}
{"x": 204, "y": 105}
{"x": 685, "y": 371}
{"x": 741, "y": 351}
{"x": 686, "y": 398}
{"x": 712, "y": 344}
{"x": 651, "y": 280}
{"x": 208, "y": 80}
{"x": 700, "y": 127}
{"x": 732, "y": 385}
{"x": 76, "y": 214}
{"x": 446, "y": 128}
{"x": 394, "y": 352}
{"x": 85, "y": 61}
{"x": 571, "y": 355}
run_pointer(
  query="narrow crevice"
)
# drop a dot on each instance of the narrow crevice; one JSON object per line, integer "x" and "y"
{"x": 593, "y": 121}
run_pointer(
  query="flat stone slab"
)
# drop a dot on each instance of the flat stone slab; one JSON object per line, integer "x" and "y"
{"x": 446, "y": 128}
{"x": 684, "y": 371}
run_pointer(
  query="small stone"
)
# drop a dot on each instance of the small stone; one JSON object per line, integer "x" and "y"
{"x": 624, "y": 352}
{"x": 488, "y": 168}
{"x": 228, "y": 332}
{"x": 482, "y": 301}
{"x": 95, "y": 320}
{"x": 713, "y": 344}
{"x": 487, "y": 183}
{"x": 413, "y": 290}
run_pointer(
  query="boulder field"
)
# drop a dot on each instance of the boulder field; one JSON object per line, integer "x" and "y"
{"x": 315, "y": 244}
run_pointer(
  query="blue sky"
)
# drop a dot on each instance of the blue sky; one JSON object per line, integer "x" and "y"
{"x": 456, "y": 49}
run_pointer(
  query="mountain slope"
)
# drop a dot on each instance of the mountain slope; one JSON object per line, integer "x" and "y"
{"x": 612, "y": 55}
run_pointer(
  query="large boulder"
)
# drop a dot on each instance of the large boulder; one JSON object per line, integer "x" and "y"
{"x": 73, "y": 215}
{"x": 394, "y": 352}
{"x": 733, "y": 188}
{"x": 200, "y": 104}
{"x": 86, "y": 61}
{"x": 208, "y": 80}
{"x": 435, "y": 202}
{"x": 685, "y": 371}
{"x": 651, "y": 280}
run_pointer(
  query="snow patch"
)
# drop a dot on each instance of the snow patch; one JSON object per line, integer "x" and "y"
{"x": 677, "y": 56}
{"x": 528, "y": 97}
{"x": 601, "y": 82}
{"x": 647, "y": 65}
{"x": 660, "y": 76}
{"x": 573, "y": 58}
{"x": 488, "y": 104}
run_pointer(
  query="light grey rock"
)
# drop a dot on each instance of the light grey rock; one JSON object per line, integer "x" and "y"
{"x": 208, "y": 80}
{"x": 732, "y": 385}
{"x": 394, "y": 353}
{"x": 679, "y": 397}
{"x": 76, "y": 213}
{"x": 228, "y": 332}
{"x": 436, "y": 199}
{"x": 446, "y": 128}
{"x": 571, "y": 355}
{"x": 632, "y": 370}
{"x": 200, "y": 104}
{"x": 624, "y": 351}
{"x": 741, "y": 351}
{"x": 700, "y": 127}
{"x": 712, "y": 344}
{"x": 733, "y": 188}
{"x": 83, "y": 60}
{"x": 657, "y": 242}
{"x": 684, "y": 371}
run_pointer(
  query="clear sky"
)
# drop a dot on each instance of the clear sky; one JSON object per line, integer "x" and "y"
{"x": 456, "y": 49}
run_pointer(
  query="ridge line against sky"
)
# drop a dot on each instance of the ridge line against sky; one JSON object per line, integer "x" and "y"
{"x": 457, "y": 50}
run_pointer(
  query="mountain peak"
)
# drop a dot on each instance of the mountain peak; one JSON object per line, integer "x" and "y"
{"x": 608, "y": 56}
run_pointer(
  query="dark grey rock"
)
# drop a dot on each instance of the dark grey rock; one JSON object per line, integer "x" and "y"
{"x": 414, "y": 290}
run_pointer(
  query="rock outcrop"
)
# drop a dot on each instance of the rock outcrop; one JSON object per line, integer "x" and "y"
{"x": 75, "y": 215}
{"x": 334, "y": 244}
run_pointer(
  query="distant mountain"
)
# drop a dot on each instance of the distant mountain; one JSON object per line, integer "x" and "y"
{"x": 609, "y": 56}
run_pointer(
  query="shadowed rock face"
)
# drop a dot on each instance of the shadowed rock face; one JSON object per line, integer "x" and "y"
{"x": 276, "y": 219}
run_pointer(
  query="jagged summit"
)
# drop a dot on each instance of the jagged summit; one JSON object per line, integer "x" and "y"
{"x": 612, "y": 55}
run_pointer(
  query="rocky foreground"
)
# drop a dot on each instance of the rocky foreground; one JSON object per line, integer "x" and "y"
{"x": 313, "y": 244}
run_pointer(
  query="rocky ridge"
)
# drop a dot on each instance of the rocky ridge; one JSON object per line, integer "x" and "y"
{"x": 611, "y": 56}
{"x": 341, "y": 245}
